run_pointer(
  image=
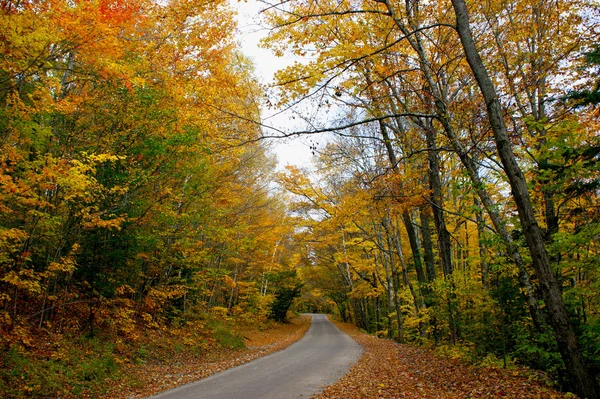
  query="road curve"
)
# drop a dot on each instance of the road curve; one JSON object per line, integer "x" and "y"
{"x": 319, "y": 359}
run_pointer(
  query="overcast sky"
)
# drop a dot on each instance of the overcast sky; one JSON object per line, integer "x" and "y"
{"x": 290, "y": 151}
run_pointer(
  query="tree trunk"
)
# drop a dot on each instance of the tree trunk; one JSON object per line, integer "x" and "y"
{"x": 418, "y": 299}
{"x": 437, "y": 203}
{"x": 388, "y": 288}
{"x": 427, "y": 244}
{"x": 499, "y": 224}
{"x": 482, "y": 246}
{"x": 583, "y": 381}
{"x": 414, "y": 246}
{"x": 406, "y": 217}
{"x": 392, "y": 281}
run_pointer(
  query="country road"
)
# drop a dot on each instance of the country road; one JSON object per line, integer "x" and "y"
{"x": 320, "y": 358}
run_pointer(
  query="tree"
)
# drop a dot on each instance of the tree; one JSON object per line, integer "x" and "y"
{"x": 289, "y": 288}
{"x": 583, "y": 381}
{"x": 588, "y": 96}
{"x": 126, "y": 194}
{"x": 413, "y": 51}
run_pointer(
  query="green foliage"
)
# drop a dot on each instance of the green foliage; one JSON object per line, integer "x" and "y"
{"x": 588, "y": 96}
{"x": 228, "y": 338}
{"x": 463, "y": 352}
{"x": 141, "y": 354}
{"x": 289, "y": 287}
{"x": 538, "y": 350}
{"x": 82, "y": 369}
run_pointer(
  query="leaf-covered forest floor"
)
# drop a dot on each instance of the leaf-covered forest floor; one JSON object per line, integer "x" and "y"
{"x": 176, "y": 369}
{"x": 386, "y": 370}
{"x": 390, "y": 370}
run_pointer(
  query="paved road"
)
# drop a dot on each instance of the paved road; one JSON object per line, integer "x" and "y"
{"x": 319, "y": 359}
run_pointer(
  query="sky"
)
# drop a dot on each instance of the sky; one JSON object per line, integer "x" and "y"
{"x": 289, "y": 151}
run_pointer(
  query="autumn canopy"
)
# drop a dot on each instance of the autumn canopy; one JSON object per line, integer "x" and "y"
{"x": 455, "y": 203}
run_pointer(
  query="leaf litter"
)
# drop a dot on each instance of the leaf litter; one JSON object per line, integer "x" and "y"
{"x": 388, "y": 370}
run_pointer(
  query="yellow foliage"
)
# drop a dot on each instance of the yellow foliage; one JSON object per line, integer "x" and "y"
{"x": 125, "y": 290}
{"x": 66, "y": 266}
{"x": 24, "y": 279}
{"x": 5, "y": 319}
{"x": 125, "y": 322}
{"x": 364, "y": 290}
{"x": 220, "y": 312}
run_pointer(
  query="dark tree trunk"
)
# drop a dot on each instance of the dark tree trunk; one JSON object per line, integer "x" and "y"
{"x": 414, "y": 246}
{"x": 499, "y": 224}
{"x": 582, "y": 380}
{"x": 437, "y": 205}
{"x": 482, "y": 246}
{"x": 427, "y": 244}
{"x": 392, "y": 280}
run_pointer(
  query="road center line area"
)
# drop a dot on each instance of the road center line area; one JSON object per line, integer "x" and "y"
{"x": 320, "y": 358}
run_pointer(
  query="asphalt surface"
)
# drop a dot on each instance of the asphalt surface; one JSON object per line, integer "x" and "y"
{"x": 319, "y": 359}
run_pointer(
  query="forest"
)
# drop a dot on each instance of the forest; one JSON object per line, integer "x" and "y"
{"x": 455, "y": 202}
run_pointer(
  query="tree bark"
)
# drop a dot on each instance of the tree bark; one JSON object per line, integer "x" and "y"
{"x": 414, "y": 245}
{"x": 427, "y": 244}
{"x": 390, "y": 269}
{"x": 582, "y": 380}
{"x": 499, "y": 224}
{"x": 435, "y": 183}
{"x": 482, "y": 247}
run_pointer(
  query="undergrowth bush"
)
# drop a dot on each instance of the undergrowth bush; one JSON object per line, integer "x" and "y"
{"x": 72, "y": 366}
{"x": 83, "y": 367}
{"x": 227, "y": 338}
